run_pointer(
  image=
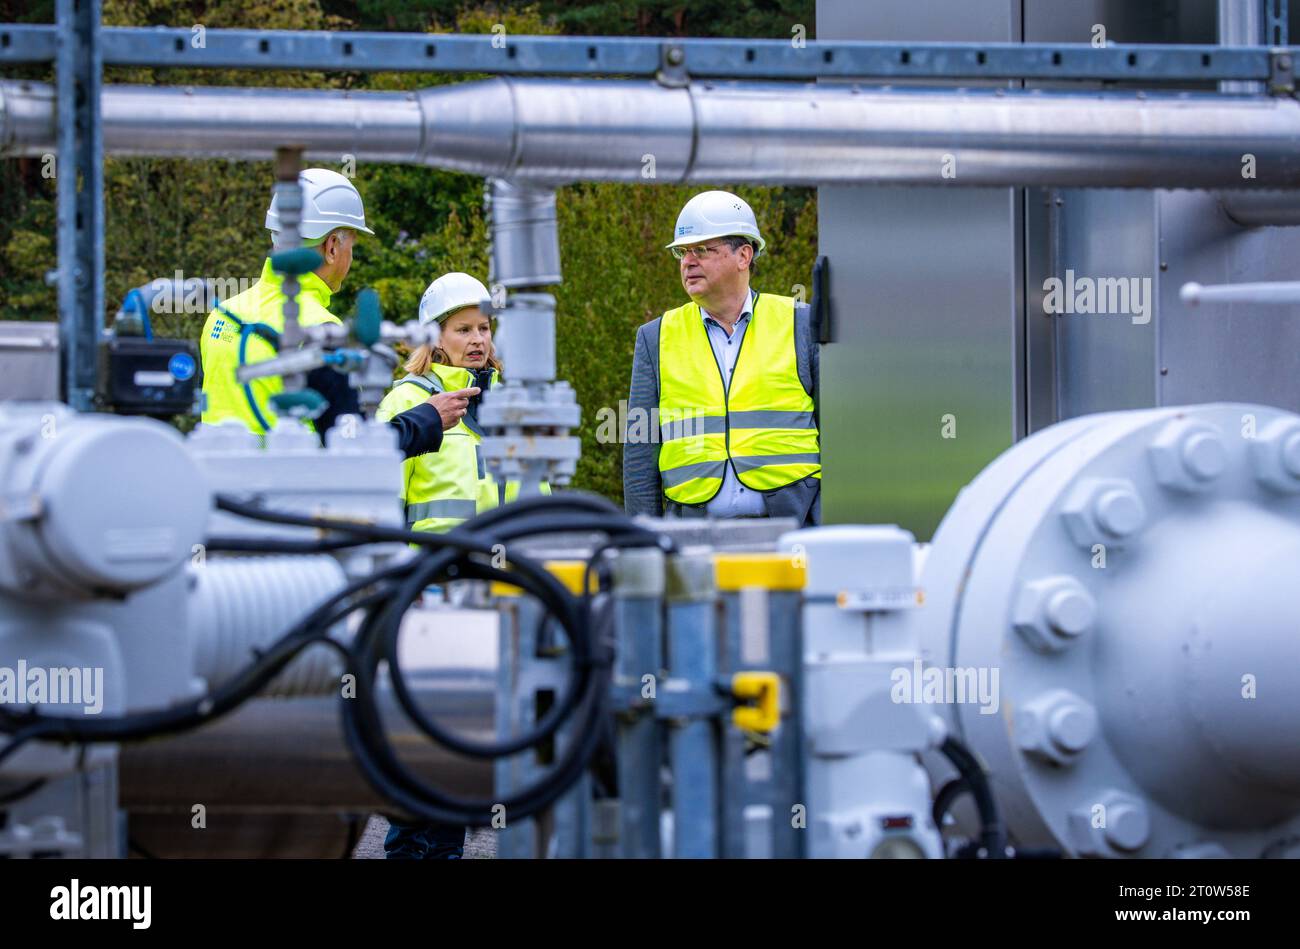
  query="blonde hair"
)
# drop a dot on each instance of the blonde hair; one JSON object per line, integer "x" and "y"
{"x": 423, "y": 356}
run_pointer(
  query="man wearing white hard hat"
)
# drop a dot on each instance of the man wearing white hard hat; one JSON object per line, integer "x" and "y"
{"x": 246, "y": 328}
{"x": 731, "y": 377}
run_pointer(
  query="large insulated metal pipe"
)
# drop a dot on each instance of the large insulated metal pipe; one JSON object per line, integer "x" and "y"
{"x": 555, "y": 131}
{"x": 1127, "y": 582}
{"x": 275, "y": 777}
{"x": 1262, "y": 208}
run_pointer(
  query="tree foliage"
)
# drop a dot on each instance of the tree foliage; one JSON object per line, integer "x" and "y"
{"x": 205, "y": 217}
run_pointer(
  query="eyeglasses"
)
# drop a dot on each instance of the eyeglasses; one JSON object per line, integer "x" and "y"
{"x": 699, "y": 252}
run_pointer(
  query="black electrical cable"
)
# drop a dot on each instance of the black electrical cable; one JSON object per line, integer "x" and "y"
{"x": 390, "y": 779}
{"x": 196, "y": 712}
{"x": 22, "y": 792}
{"x": 280, "y": 545}
{"x": 559, "y": 712}
{"x": 993, "y": 838}
{"x": 943, "y": 801}
{"x": 449, "y": 555}
{"x": 19, "y": 737}
{"x": 456, "y": 537}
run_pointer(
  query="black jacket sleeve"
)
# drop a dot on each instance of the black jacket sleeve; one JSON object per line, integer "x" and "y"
{"x": 342, "y": 397}
{"x": 419, "y": 430}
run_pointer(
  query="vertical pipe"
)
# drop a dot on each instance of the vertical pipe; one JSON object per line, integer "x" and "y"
{"x": 764, "y": 790}
{"x": 785, "y": 792}
{"x": 569, "y": 823}
{"x": 638, "y": 594}
{"x": 524, "y": 252}
{"x": 513, "y": 714}
{"x": 693, "y": 741}
{"x": 80, "y": 174}
{"x": 533, "y": 661}
{"x": 289, "y": 203}
{"x": 734, "y": 785}
{"x": 1241, "y": 23}
{"x": 525, "y": 246}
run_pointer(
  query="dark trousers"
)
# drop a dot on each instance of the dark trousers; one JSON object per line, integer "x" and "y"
{"x": 424, "y": 841}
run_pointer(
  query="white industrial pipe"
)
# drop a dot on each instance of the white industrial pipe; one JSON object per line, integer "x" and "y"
{"x": 555, "y": 131}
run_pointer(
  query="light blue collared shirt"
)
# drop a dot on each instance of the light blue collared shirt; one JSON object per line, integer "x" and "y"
{"x": 733, "y": 498}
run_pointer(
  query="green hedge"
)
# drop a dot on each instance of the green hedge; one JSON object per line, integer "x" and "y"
{"x": 205, "y": 218}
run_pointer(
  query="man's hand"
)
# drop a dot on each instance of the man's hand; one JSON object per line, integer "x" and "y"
{"x": 452, "y": 405}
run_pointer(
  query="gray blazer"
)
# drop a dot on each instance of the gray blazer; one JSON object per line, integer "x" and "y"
{"x": 642, "y": 491}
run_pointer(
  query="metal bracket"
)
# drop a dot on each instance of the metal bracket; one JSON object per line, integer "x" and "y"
{"x": 1281, "y": 79}
{"x": 821, "y": 300}
{"x": 678, "y": 700}
{"x": 1275, "y": 23}
{"x": 672, "y": 66}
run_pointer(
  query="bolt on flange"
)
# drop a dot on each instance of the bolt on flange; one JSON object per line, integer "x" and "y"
{"x": 1056, "y": 726}
{"x": 1188, "y": 455}
{"x": 1103, "y": 510}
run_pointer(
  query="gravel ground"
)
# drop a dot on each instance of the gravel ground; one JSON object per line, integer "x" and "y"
{"x": 480, "y": 844}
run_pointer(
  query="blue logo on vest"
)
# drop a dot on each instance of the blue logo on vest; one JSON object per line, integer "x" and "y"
{"x": 181, "y": 366}
{"x": 217, "y": 327}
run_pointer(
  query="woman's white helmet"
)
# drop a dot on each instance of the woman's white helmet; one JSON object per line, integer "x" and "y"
{"x": 713, "y": 214}
{"x": 449, "y": 293}
{"x": 329, "y": 200}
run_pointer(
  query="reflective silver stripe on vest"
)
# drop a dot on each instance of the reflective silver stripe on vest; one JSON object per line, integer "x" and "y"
{"x": 424, "y": 382}
{"x": 771, "y": 419}
{"x": 700, "y": 469}
{"x": 449, "y": 508}
{"x": 697, "y": 425}
{"x": 750, "y": 462}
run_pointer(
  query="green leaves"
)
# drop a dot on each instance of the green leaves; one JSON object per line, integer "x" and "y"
{"x": 205, "y": 218}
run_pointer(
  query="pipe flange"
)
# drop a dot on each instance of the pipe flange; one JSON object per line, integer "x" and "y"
{"x": 1119, "y": 549}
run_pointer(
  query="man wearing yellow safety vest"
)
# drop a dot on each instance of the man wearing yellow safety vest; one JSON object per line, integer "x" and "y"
{"x": 247, "y": 327}
{"x": 728, "y": 382}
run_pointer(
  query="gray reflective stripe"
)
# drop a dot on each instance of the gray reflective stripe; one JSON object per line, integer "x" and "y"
{"x": 470, "y": 420}
{"x": 749, "y": 463}
{"x": 449, "y": 508}
{"x": 424, "y": 382}
{"x": 771, "y": 419}
{"x": 478, "y": 457}
{"x": 697, "y": 425}
{"x": 700, "y": 469}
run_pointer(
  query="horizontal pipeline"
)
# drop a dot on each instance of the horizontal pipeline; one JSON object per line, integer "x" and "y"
{"x": 558, "y": 131}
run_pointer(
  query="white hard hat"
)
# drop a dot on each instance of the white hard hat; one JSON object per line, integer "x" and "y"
{"x": 713, "y": 214}
{"x": 329, "y": 200}
{"x": 449, "y": 293}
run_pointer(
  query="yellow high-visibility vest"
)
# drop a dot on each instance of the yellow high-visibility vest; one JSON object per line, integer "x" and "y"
{"x": 443, "y": 488}
{"x": 762, "y": 422}
{"x": 262, "y": 305}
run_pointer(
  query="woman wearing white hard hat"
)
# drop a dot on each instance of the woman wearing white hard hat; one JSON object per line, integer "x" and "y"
{"x": 443, "y": 489}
